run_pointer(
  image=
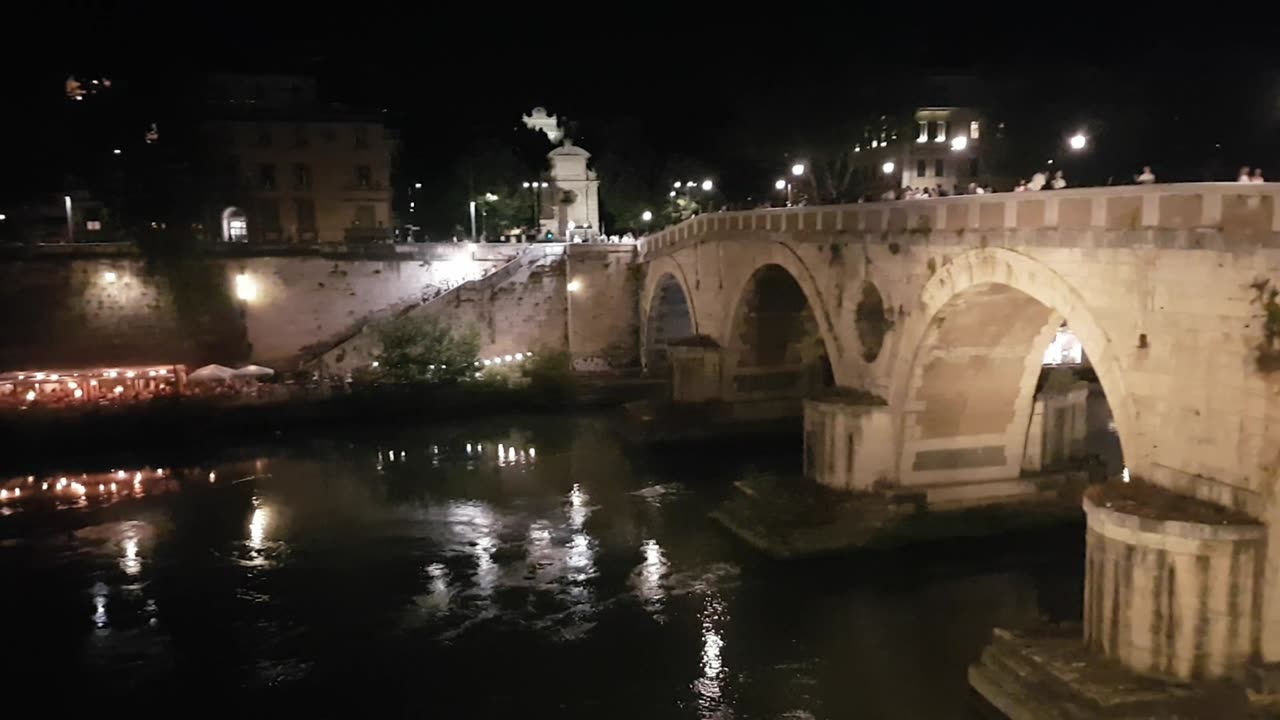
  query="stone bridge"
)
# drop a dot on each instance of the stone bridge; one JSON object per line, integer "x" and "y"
{"x": 942, "y": 309}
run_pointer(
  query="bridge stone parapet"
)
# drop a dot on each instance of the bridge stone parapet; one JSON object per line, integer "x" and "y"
{"x": 1163, "y": 215}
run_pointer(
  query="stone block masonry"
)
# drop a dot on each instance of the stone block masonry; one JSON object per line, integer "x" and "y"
{"x": 72, "y": 311}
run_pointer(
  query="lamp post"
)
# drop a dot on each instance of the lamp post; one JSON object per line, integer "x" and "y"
{"x": 536, "y": 187}
{"x": 797, "y": 170}
{"x": 1078, "y": 141}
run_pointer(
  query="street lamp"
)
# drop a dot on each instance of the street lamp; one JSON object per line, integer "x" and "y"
{"x": 535, "y": 188}
{"x": 782, "y": 184}
{"x": 677, "y": 185}
{"x": 959, "y": 142}
{"x": 417, "y": 186}
{"x": 888, "y": 167}
{"x": 1078, "y": 141}
{"x": 707, "y": 185}
{"x": 797, "y": 169}
{"x": 646, "y": 216}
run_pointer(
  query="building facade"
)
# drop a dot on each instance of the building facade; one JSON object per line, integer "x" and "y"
{"x": 937, "y": 147}
{"x": 287, "y": 169}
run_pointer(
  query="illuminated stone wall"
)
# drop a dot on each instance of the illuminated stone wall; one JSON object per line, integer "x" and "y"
{"x": 519, "y": 308}
{"x": 603, "y": 320}
{"x": 78, "y": 311}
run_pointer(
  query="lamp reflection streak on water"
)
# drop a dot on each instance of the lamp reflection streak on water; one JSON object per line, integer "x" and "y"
{"x": 100, "y": 605}
{"x": 578, "y": 510}
{"x": 258, "y": 523}
{"x": 650, "y": 574}
{"x": 710, "y": 686}
{"x": 129, "y": 562}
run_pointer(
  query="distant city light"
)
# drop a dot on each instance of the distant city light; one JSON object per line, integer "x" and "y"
{"x": 117, "y": 151}
{"x": 1078, "y": 141}
{"x": 2, "y": 216}
{"x": 707, "y": 185}
{"x": 690, "y": 184}
{"x": 888, "y": 167}
{"x": 797, "y": 169}
{"x": 418, "y": 186}
{"x": 671, "y": 194}
{"x": 677, "y": 185}
{"x": 959, "y": 142}
{"x": 780, "y": 185}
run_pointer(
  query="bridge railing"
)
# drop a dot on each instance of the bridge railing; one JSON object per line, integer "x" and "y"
{"x": 1231, "y": 207}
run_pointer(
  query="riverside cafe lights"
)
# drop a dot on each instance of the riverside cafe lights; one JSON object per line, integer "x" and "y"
{"x": 68, "y": 388}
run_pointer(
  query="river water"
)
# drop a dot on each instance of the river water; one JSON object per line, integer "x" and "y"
{"x": 510, "y": 567}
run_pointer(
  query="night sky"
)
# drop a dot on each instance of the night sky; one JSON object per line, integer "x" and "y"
{"x": 738, "y": 97}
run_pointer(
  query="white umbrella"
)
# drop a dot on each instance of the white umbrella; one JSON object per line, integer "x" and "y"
{"x": 212, "y": 373}
{"x": 255, "y": 371}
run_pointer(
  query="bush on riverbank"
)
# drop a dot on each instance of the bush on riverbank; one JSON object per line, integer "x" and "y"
{"x": 423, "y": 350}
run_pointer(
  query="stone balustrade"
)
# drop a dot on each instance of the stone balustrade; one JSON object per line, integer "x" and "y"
{"x": 1242, "y": 209}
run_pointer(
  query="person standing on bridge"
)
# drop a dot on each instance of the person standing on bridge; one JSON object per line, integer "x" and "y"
{"x": 1146, "y": 177}
{"x": 1244, "y": 175}
{"x": 1059, "y": 181}
{"x": 1257, "y": 176}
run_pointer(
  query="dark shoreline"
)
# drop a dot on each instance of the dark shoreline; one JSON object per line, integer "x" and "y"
{"x": 171, "y": 430}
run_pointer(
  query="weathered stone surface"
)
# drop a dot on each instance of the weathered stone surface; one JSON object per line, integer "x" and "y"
{"x": 1169, "y": 596}
{"x": 1047, "y": 674}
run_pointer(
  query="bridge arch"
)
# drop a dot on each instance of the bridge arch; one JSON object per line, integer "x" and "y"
{"x": 778, "y": 332}
{"x": 964, "y": 390}
{"x": 669, "y": 317}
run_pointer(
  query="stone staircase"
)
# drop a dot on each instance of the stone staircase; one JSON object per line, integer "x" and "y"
{"x": 355, "y": 346}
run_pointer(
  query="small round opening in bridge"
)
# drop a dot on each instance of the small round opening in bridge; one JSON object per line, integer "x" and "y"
{"x": 235, "y": 225}
{"x": 778, "y": 345}
{"x": 669, "y": 319}
{"x": 871, "y": 322}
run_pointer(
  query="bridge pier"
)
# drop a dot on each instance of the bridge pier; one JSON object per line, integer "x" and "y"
{"x": 848, "y": 442}
{"x": 1176, "y": 592}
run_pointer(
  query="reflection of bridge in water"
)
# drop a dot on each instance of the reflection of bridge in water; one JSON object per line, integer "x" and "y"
{"x": 942, "y": 309}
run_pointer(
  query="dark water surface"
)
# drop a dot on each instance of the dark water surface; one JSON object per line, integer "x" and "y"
{"x": 512, "y": 567}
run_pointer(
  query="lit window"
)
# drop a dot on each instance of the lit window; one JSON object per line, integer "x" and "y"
{"x": 974, "y": 129}
{"x": 94, "y": 225}
{"x": 941, "y": 135}
{"x": 924, "y": 132}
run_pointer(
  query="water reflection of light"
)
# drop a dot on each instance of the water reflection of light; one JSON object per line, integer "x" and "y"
{"x": 578, "y": 510}
{"x": 438, "y": 592}
{"x": 130, "y": 562}
{"x": 258, "y": 527}
{"x": 100, "y": 605}
{"x": 650, "y": 574}
{"x": 710, "y": 686}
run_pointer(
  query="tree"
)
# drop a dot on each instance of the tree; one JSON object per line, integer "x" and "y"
{"x": 425, "y": 350}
